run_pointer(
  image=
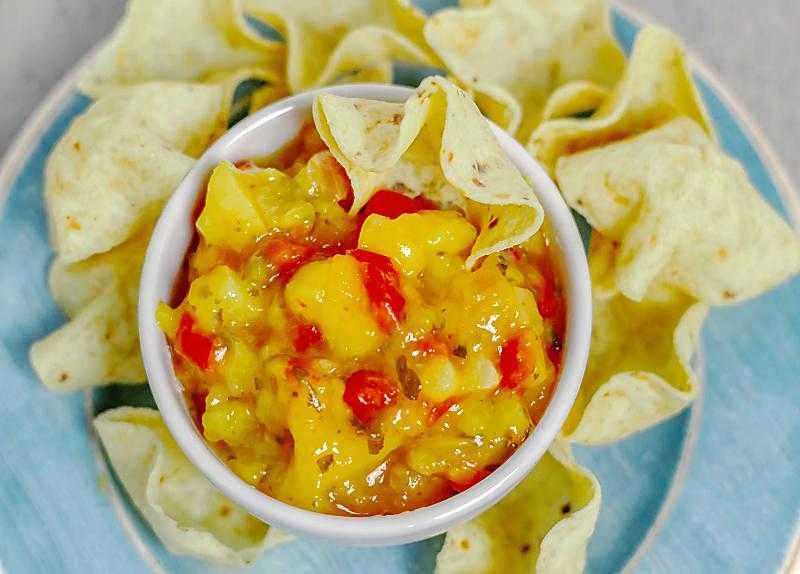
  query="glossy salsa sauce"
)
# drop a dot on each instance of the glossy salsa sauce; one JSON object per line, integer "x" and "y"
{"x": 352, "y": 364}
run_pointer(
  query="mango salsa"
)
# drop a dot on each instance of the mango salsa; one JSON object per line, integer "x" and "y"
{"x": 330, "y": 295}
{"x": 414, "y": 239}
{"x": 351, "y": 363}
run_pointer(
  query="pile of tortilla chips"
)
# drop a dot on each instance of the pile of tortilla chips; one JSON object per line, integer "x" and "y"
{"x": 677, "y": 226}
{"x": 185, "y": 510}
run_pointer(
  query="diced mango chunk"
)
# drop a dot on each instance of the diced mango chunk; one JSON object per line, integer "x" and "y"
{"x": 483, "y": 431}
{"x": 168, "y": 319}
{"x": 239, "y": 368}
{"x": 222, "y": 300}
{"x": 484, "y": 308}
{"x": 324, "y": 178}
{"x": 250, "y": 471}
{"x": 493, "y": 417}
{"x": 229, "y": 217}
{"x": 331, "y": 295}
{"x": 478, "y": 373}
{"x": 243, "y": 206}
{"x": 328, "y": 449}
{"x": 414, "y": 239}
{"x": 231, "y": 421}
{"x": 441, "y": 378}
{"x": 438, "y": 379}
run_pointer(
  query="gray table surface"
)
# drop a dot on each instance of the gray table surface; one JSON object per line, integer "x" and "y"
{"x": 754, "y": 47}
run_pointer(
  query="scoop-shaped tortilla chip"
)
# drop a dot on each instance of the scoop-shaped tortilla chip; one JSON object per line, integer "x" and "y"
{"x": 75, "y": 285}
{"x": 640, "y": 365}
{"x": 327, "y": 39}
{"x": 512, "y": 54}
{"x": 106, "y": 181}
{"x": 382, "y": 144}
{"x": 179, "y": 40}
{"x": 188, "y": 514}
{"x": 681, "y": 215}
{"x": 575, "y": 98}
{"x": 266, "y": 95}
{"x": 543, "y": 526}
{"x": 119, "y": 161}
{"x": 264, "y": 86}
{"x": 99, "y": 344}
{"x": 656, "y": 88}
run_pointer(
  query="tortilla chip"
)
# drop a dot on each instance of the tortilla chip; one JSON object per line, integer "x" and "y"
{"x": 100, "y": 344}
{"x": 75, "y": 285}
{"x": 640, "y": 370}
{"x": 682, "y": 215}
{"x": 657, "y": 87}
{"x": 262, "y": 87}
{"x": 178, "y": 40}
{"x": 106, "y": 182}
{"x": 574, "y": 99}
{"x": 118, "y": 163}
{"x": 264, "y": 96}
{"x": 99, "y": 291}
{"x": 512, "y": 54}
{"x": 327, "y": 39}
{"x": 232, "y": 79}
{"x": 383, "y": 144}
{"x": 187, "y": 513}
{"x": 543, "y": 526}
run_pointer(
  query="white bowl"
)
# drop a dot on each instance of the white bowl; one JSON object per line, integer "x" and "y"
{"x": 256, "y": 136}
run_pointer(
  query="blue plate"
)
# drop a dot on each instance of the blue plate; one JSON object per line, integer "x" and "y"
{"x": 713, "y": 489}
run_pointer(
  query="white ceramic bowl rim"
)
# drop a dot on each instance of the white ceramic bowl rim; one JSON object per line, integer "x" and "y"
{"x": 166, "y": 252}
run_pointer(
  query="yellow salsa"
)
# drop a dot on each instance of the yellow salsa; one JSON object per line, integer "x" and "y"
{"x": 351, "y": 364}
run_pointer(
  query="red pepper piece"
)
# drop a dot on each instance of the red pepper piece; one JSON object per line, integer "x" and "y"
{"x": 368, "y": 393}
{"x": 381, "y": 262}
{"x": 382, "y": 282}
{"x": 550, "y": 302}
{"x": 555, "y": 352}
{"x": 198, "y": 347}
{"x": 461, "y": 486}
{"x": 515, "y": 362}
{"x": 287, "y": 255}
{"x": 392, "y": 204}
{"x": 306, "y": 336}
{"x": 198, "y": 401}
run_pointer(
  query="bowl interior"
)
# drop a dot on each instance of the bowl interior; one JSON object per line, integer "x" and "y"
{"x": 259, "y": 135}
